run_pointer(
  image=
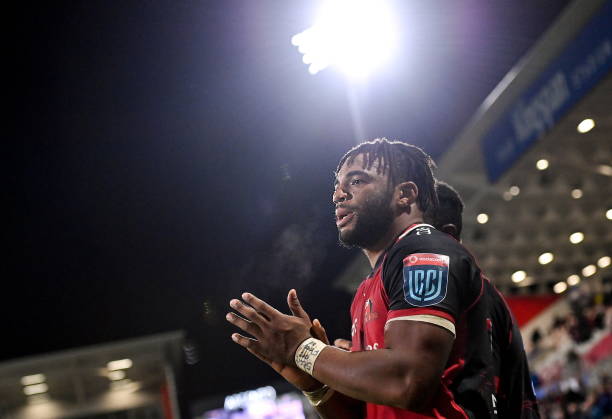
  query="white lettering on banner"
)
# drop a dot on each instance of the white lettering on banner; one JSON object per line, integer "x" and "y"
{"x": 372, "y": 347}
{"x": 234, "y": 401}
{"x": 537, "y": 116}
{"x": 593, "y": 62}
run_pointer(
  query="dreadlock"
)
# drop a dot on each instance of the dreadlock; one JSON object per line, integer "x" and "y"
{"x": 402, "y": 162}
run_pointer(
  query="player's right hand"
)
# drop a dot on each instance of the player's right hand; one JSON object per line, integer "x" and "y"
{"x": 292, "y": 374}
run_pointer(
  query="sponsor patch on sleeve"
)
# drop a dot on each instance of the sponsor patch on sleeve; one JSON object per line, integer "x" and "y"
{"x": 425, "y": 278}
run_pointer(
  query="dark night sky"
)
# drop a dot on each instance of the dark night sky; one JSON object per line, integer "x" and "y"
{"x": 173, "y": 154}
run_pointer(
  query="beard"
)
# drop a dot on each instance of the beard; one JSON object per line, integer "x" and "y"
{"x": 373, "y": 220}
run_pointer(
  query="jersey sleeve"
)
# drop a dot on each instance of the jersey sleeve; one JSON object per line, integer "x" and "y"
{"x": 426, "y": 282}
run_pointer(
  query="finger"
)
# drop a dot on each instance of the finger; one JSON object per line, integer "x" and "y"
{"x": 343, "y": 344}
{"x": 295, "y": 306}
{"x": 261, "y": 306}
{"x": 318, "y": 331}
{"x": 243, "y": 324}
{"x": 247, "y": 311}
{"x": 245, "y": 342}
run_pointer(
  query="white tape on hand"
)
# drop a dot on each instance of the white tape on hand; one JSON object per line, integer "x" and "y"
{"x": 307, "y": 353}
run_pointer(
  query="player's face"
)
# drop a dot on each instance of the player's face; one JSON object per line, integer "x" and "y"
{"x": 363, "y": 205}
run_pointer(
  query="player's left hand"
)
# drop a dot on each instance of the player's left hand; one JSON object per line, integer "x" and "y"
{"x": 277, "y": 335}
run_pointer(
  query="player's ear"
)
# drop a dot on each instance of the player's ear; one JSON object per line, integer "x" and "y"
{"x": 408, "y": 193}
{"x": 451, "y": 229}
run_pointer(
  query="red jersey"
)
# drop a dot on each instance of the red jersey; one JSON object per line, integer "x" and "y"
{"x": 428, "y": 276}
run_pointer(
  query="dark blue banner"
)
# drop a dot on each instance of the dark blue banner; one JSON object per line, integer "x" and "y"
{"x": 583, "y": 63}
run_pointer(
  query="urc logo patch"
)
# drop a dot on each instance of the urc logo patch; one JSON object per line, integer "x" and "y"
{"x": 425, "y": 278}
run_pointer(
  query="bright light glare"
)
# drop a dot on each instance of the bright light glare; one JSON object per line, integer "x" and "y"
{"x": 38, "y": 399}
{"x": 482, "y": 218}
{"x": 576, "y": 237}
{"x": 519, "y": 276}
{"x": 542, "y": 164}
{"x": 609, "y": 214}
{"x": 589, "y": 270}
{"x": 604, "y": 262}
{"x": 126, "y": 385}
{"x": 35, "y": 389}
{"x": 116, "y": 375}
{"x": 559, "y": 287}
{"x": 28, "y": 380}
{"x": 514, "y": 190}
{"x": 604, "y": 169}
{"x": 576, "y": 193}
{"x": 545, "y": 258}
{"x": 573, "y": 280}
{"x": 586, "y": 125}
{"x": 355, "y": 36}
{"x": 120, "y": 364}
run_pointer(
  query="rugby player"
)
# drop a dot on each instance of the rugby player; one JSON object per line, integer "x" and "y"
{"x": 420, "y": 345}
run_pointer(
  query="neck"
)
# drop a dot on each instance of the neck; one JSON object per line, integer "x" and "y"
{"x": 400, "y": 224}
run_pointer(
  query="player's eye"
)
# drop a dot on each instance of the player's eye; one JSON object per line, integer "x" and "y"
{"x": 356, "y": 181}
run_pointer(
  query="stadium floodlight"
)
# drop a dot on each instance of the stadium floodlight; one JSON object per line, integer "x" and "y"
{"x": 604, "y": 169}
{"x": 576, "y": 193}
{"x": 589, "y": 270}
{"x": 604, "y": 262}
{"x": 116, "y": 375}
{"x": 29, "y": 380}
{"x": 482, "y": 218}
{"x": 576, "y": 237}
{"x": 573, "y": 280}
{"x": 559, "y": 287}
{"x": 585, "y": 126}
{"x": 542, "y": 164}
{"x": 35, "y": 389}
{"x": 518, "y": 276}
{"x": 120, "y": 364}
{"x": 355, "y": 36}
{"x": 545, "y": 258}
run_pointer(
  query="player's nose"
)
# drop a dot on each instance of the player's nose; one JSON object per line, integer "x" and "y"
{"x": 339, "y": 196}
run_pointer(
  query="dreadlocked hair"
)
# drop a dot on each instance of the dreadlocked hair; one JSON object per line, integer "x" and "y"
{"x": 402, "y": 162}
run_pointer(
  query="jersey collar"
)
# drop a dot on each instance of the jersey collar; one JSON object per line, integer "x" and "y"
{"x": 412, "y": 228}
{"x": 404, "y": 233}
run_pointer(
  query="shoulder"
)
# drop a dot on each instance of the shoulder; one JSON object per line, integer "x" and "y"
{"x": 432, "y": 250}
{"x": 427, "y": 239}
{"x": 429, "y": 270}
